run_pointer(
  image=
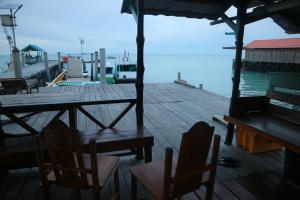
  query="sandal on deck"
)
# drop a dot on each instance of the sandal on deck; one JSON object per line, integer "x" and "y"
{"x": 229, "y": 162}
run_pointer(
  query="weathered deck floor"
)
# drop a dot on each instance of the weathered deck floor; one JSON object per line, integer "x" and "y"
{"x": 170, "y": 109}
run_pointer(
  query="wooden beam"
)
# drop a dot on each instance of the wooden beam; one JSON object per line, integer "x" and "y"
{"x": 121, "y": 115}
{"x": 229, "y": 22}
{"x": 262, "y": 12}
{"x": 139, "y": 84}
{"x": 241, "y": 14}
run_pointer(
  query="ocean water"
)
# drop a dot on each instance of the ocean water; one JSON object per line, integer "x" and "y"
{"x": 213, "y": 71}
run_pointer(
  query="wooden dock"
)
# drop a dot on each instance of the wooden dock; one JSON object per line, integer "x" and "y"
{"x": 169, "y": 110}
{"x": 37, "y": 71}
{"x": 30, "y": 70}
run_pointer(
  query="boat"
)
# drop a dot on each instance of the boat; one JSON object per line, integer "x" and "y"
{"x": 125, "y": 71}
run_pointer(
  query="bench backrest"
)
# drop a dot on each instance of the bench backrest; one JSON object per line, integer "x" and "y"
{"x": 285, "y": 88}
{"x": 13, "y": 85}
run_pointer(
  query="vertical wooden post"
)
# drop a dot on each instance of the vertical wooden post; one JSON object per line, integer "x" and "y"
{"x": 241, "y": 15}
{"x": 139, "y": 84}
{"x": 2, "y": 143}
{"x": 17, "y": 63}
{"x": 47, "y": 67}
{"x": 23, "y": 60}
{"x": 102, "y": 65}
{"x": 59, "y": 61}
{"x": 96, "y": 66}
{"x": 92, "y": 66}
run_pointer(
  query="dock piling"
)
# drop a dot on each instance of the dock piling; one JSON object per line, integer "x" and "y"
{"x": 59, "y": 61}
{"x": 179, "y": 76}
{"x": 92, "y": 66}
{"x": 102, "y": 65}
{"x": 47, "y": 67}
{"x": 96, "y": 66}
{"x": 23, "y": 60}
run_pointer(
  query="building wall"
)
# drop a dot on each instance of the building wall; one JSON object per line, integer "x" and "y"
{"x": 273, "y": 55}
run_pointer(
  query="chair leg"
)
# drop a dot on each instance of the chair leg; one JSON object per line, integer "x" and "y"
{"x": 133, "y": 187}
{"x": 78, "y": 194}
{"x": 96, "y": 194}
{"x": 46, "y": 192}
{"x": 116, "y": 185}
{"x": 209, "y": 190}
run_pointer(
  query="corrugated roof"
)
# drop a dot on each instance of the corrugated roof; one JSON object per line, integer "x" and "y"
{"x": 291, "y": 43}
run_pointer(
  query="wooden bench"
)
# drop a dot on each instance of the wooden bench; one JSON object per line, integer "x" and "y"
{"x": 15, "y": 85}
{"x": 276, "y": 116}
{"x": 18, "y": 152}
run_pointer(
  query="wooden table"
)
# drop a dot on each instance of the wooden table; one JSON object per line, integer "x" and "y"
{"x": 36, "y": 103}
{"x": 19, "y": 151}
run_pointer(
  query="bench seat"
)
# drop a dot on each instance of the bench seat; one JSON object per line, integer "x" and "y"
{"x": 270, "y": 127}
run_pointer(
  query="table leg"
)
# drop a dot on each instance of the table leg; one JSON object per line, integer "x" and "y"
{"x": 133, "y": 187}
{"x": 139, "y": 153}
{"x": 73, "y": 117}
{"x": 148, "y": 154}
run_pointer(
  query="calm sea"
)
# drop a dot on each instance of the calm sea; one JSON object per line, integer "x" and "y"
{"x": 213, "y": 71}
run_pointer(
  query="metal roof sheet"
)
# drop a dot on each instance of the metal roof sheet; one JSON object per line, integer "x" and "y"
{"x": 290, "y": 43}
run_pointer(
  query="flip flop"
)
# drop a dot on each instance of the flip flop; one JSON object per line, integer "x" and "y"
{"x": 228, "y": 162}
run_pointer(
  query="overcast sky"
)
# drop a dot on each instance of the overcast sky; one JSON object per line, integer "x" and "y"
{"x": 56, "y": 25}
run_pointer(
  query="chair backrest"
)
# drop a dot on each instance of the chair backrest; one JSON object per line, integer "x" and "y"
{"x": 192, "y": 158}
{"x": 13, "y": 85}
{"x": 65, "y": 156}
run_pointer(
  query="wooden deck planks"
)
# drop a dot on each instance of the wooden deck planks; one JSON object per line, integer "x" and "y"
{"x": 169, "y": 110}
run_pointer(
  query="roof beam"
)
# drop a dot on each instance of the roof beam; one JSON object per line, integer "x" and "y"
{"x": 229, "y": 22}
{"x": 262, "y": 12}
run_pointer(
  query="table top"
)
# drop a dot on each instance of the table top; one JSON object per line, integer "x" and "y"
{"x": 50, "y": 102}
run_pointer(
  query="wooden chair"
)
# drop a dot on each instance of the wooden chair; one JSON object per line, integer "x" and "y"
{"x": 173, "y": 178}
{"x": 68, "y": 167}
{"x": 14, "y": 85}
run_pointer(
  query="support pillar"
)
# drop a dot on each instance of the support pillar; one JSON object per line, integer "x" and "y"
{"x": 139, "y": 84}
{"x": 23, "y": 60}
{"x": 17, "y": 63}
{"x": 92, "y": 66}
{"x": 241, "y": 15}
{"x": 47, "y": 67}
{"x": 102, "y": 65}
{"x": 96, "y": 66}
{"x": 59, "y": 62}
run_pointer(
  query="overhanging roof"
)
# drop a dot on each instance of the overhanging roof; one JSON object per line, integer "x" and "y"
{"x": 210, "y": 9}
{"x": 286, "y": 13}
{"x": 32, "y": 47}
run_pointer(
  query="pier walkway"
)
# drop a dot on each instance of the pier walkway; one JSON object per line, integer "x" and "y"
{"x": 169, "y": 110}
{"x": 30, "y": 70}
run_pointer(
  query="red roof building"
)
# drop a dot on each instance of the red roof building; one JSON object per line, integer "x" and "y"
{"x": 273, "y": 51}
{"x": 291, "y": 43}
